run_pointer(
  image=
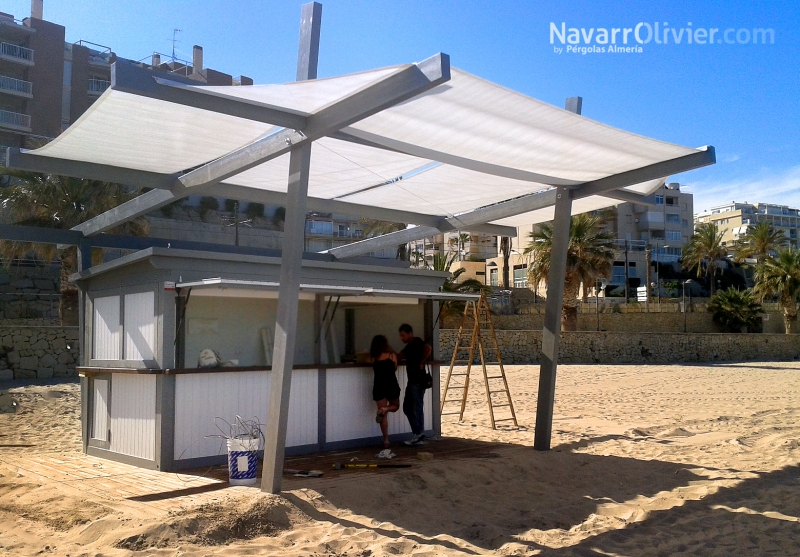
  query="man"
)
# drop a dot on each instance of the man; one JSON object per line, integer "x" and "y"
{"x": 416, "y": 353}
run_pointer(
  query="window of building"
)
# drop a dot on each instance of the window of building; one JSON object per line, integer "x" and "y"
{"x": 320, "y": 227}
{"x": 674, "y": 235}
{"x": 343, "y": 231}
{"x": 358, "y": 233}
{"x": 520, "y": 276}
{"x": 672, "y": 201}
{"x": 659, "y": 200}
{"x": 493, "y": 278}
{"x": 673, "y": 218}
{"x": 684, "y": 223}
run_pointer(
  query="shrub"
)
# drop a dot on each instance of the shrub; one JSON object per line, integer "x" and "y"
{"x": 230, "y": 205}
{"x": 736, "y": 310}
{"x": 255, "y": 210}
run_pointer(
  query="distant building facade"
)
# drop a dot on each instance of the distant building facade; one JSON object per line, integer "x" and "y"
{"x": 733, "y": 219}
{"x": 664, "y": 225}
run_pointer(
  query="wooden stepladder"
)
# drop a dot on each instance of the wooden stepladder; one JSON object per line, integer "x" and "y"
{"x": 477, "y": 331}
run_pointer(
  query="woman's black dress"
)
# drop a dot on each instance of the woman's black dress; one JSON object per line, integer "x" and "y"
{"x": 386, "y": 385}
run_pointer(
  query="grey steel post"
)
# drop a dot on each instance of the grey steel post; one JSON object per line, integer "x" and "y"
{"x": 286, "y": 322}
{"x": 308, "y": 51}
{"x": 551, "y": 334}
{"x": 291, "y": 268}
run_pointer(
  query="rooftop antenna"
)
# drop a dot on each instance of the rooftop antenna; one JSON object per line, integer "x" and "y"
{"x": 174, "y": 40}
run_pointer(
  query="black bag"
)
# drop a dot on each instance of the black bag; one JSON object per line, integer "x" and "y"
{"x": 428, "y": 379}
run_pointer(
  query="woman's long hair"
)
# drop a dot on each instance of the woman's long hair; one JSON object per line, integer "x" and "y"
{"x": 379, "y": 346}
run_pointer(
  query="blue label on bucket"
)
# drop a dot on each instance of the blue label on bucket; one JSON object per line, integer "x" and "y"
{"x": 237, "y": 458}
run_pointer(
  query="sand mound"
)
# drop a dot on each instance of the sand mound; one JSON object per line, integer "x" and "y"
{"x": 221, "y": 523}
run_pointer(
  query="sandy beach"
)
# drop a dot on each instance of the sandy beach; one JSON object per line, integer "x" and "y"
{"x": 646, "y": 460}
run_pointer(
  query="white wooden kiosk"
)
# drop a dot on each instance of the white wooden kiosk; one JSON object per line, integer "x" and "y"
{"x": 150, "y": 314}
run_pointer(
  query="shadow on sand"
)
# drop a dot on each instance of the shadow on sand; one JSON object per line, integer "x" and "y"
{"x": 488, "y": 502}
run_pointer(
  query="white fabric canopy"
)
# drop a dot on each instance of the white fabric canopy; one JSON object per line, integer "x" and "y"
{"x": 512, "y": 144}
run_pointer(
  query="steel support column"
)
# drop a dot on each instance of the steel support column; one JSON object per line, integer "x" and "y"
{"x": 291, "y": 268}
{"x": 286, "y": 322}
{"x": 551, "y": 333}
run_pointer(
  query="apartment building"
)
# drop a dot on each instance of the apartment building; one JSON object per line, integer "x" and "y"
{"x": 733, "y": 219}
{"x": 46, "y": 83}
{"x": 664, "y": 225}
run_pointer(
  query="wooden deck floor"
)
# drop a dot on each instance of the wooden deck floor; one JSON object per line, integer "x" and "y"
{"x": 134, "y": 490}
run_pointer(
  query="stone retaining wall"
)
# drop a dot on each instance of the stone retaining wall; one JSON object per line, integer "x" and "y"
{"x": 666, "y": 322}
{"x": 524, "y": 347}
{"x": 38, "y": 352}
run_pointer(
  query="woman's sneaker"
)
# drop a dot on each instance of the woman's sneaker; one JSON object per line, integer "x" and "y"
{"x": 415, "y": 441}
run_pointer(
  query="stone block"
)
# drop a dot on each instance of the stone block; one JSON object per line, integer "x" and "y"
{"x": 25, "y": 374}
{"x": 65, "y": 358}
{"x": 40, "y": 345}
{"x": 22, "y": 283}
{"x": 61, "y": 370}
{"x": 6, "y": 374}
{"x": 29, "y": 362}
{"x": 13, "y": 357}
{"x": 44, "y": 373}
{"x": 7, "y": 341}
{"x": 47, "y": 361}
{"x": 44, "y": 284}
{"x": 59, "y": 344}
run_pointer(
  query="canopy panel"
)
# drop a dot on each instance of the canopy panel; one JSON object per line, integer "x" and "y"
{"x": 493, "y": 144}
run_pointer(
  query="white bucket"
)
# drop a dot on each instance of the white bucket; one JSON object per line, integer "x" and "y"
{"x": 242, "y": 460}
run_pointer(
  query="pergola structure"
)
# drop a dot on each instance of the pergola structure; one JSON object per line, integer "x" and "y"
{"x": 423, "y": 143}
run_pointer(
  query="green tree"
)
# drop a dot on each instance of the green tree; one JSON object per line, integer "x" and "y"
{"x": 51, "y": 201}
{"x": 452, "y": 284}
{"x": 374, "y": 228}
{"x": 780, "y": 276}
{"x": 590, "y": 255}
{"x": 704, "y": 250}
{"x": 759, "y": 241}
{"x": 737, "y": 311}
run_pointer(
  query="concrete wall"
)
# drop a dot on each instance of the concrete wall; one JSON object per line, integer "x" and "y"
{"x": 524, "y": 347}
{"x": 37, "y": 352}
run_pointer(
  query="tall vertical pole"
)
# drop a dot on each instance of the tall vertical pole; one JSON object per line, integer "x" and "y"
{"x": 551, "y": 334}
{"x": 627, "y": 275}
{"x": 291, "y": 268}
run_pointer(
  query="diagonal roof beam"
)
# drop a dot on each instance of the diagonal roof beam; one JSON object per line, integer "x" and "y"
{"x": 630, "y": 196}
{"x": 395, "y": 88}
{"x": 365, "y": 138}
{"x": 702, "y": 157}
{"x": 131, "y": 78}
{"x": 464, "y": 221}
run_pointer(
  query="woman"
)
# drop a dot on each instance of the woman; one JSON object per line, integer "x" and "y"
{"x": 386, "y": 389}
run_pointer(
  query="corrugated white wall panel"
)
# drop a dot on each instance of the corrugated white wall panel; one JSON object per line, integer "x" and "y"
{"x": 107, "y": 328}
{"x": 133, "y": 415}
{"x": 140, "y": 328}
{"x": 100, "y": 413}
{"x": 200, "y": 397}
{"x": 351, "y": 410}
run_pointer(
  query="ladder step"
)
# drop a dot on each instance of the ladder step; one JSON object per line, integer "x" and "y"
{"x": 500, "y": 405}
{"x": 452, "y": 414}
{"x": 493, "y": 392}
{"x": 495, "y": 377}
{"x": 504, "y": 419}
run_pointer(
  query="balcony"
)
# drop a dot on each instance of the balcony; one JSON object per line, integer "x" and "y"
{"x": 17, "y": 54}
{"x": 16, "y": 87}
{"x": 98, "y": 86}
{"x": 15, "y": 121}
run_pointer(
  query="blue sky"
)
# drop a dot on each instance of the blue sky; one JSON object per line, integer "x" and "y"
{"x": 741, "y": 98}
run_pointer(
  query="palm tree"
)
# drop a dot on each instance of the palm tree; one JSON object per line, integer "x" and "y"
{"x": 505, "y": 250}
{"x": 759, "y": 241}
{"x": 452, "y": 284}
{"x": 781, "y": 276}
{"x": 374, "y": 228}
{"x": 52, "y": 201}
{"x": 590, "y": 255}
{"x": 703, "y": 251}
{"x": 735, "y": 310}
